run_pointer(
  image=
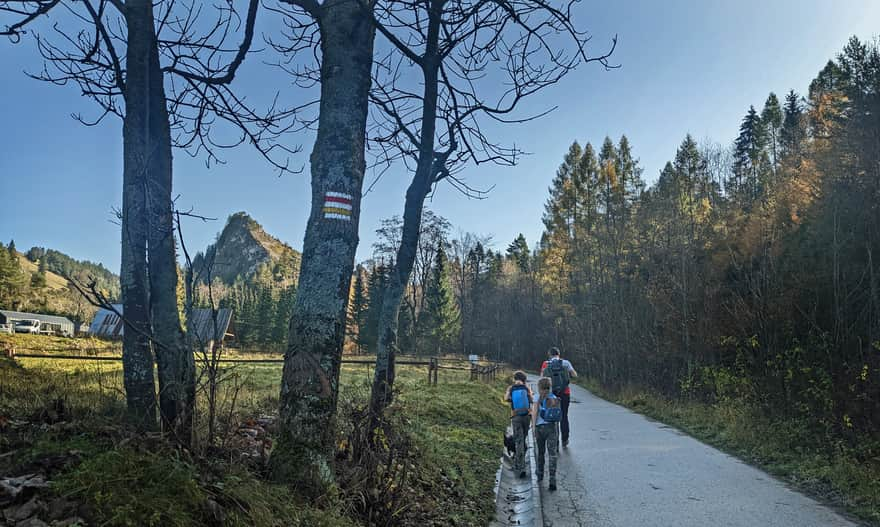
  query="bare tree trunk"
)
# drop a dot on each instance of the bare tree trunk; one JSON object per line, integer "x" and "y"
{"x": 145, "y": 88}
{"x": 137, "y": 355}
{"x": 383, "y": 379}
{"x": 310, "y": 382}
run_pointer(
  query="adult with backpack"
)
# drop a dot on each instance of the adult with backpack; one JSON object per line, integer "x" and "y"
{"x": 520, "y": 397}
{"x": 546, "y": 415}
{"x": 560, "y": 372}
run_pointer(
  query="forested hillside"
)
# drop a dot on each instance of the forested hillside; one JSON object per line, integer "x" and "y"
{"x": 745, "y": 272}
{"x": 40, "y": 280}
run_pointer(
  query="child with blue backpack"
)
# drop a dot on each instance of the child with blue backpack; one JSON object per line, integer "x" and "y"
{"x": 545, "y": 420}
{"x": 520, "y": 397}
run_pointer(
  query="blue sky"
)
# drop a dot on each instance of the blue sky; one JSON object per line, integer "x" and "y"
{"x": 686, "y": 67}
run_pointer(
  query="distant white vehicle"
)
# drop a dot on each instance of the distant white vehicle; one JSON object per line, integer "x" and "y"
{"x": 28, "y": 326}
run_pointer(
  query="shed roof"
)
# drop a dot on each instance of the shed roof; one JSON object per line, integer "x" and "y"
{"x": 202, "y": 321}
{"x": 107, "y": 324}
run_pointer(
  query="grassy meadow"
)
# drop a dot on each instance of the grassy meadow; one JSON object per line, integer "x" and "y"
{"x": 67, "y": 415}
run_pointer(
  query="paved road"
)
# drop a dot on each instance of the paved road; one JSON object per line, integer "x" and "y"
{"x": 622, "y": 470}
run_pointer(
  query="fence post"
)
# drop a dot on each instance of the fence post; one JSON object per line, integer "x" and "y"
{"x": 430, "y": 369}
{"x": 436, "y": 362}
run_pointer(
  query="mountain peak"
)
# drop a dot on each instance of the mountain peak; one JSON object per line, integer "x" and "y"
{"x": 242, "y": 248}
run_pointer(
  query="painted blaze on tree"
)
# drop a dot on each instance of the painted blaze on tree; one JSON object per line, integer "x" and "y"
{"x": 310, "y": 381}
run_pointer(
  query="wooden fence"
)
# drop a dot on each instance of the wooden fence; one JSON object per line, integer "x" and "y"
{"x": 433, "y": 364}
{"x": 481, "y": 370}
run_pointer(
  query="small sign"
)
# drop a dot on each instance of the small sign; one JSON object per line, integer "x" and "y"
{"x": 474, "y": 358}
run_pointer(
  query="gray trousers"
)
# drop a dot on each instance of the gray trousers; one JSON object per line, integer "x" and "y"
{"x": 547, "y": 437}
{"x": 520, "y": 424}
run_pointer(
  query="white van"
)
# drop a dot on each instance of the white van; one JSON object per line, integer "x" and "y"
{"x": 28, "y": 326}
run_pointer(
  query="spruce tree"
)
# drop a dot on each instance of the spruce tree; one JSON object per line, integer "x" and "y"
{"x": 793, "y": 131}
{"x": 749, "y": 156}
{"x": 518, "y": 252}
{"x": 376, "y": 284}
{"x": 358, "y": 310}
{"x": 283, "y": 310}
{"x": 441, "y": 321}
{"x": 772, "y": 119}
{"x": 265, "y": 316}
{"x": 560, "y": 209}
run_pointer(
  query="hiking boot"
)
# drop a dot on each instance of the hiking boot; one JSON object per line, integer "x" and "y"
{"x": 552, "y": 487}
{"x": 522, "y": 474}
{"x": 565, "y": 443}
{"x": 540, "y": 477}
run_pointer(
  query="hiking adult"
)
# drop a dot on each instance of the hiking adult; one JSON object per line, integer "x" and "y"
{"x": 560, "y": 371}
{"x": 520, "y": 397}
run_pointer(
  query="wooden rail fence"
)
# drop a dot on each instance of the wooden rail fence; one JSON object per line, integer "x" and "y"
{"x": 433, "y": 364}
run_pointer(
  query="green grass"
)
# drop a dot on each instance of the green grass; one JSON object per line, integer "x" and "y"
{"x": 124, "y": 479}
{"x": 789, "y": 449}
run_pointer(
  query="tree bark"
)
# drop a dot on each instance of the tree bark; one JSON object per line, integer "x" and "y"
{"x": 310, "y": 381}
{"x": 145, "y": 88}
{"x": 383, "y": 379}
{"x": 137, "y": 355}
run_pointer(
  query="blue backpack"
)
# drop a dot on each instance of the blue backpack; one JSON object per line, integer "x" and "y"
{"x": 519, "y": 399}
{"x": 551, "y": 409}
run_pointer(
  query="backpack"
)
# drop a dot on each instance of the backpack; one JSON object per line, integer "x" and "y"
{"x": 558, "y": 374}
{"x": 551, "y": 410}
{"x": 519, "y": 399}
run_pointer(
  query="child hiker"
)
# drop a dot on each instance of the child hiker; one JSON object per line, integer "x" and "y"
{"x": 520, "y": 397}
{"x": 546, "y": 415}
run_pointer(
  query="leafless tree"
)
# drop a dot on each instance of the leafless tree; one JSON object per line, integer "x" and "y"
{"x": 165, "y": 68}
{"x": 436, "y": 121}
